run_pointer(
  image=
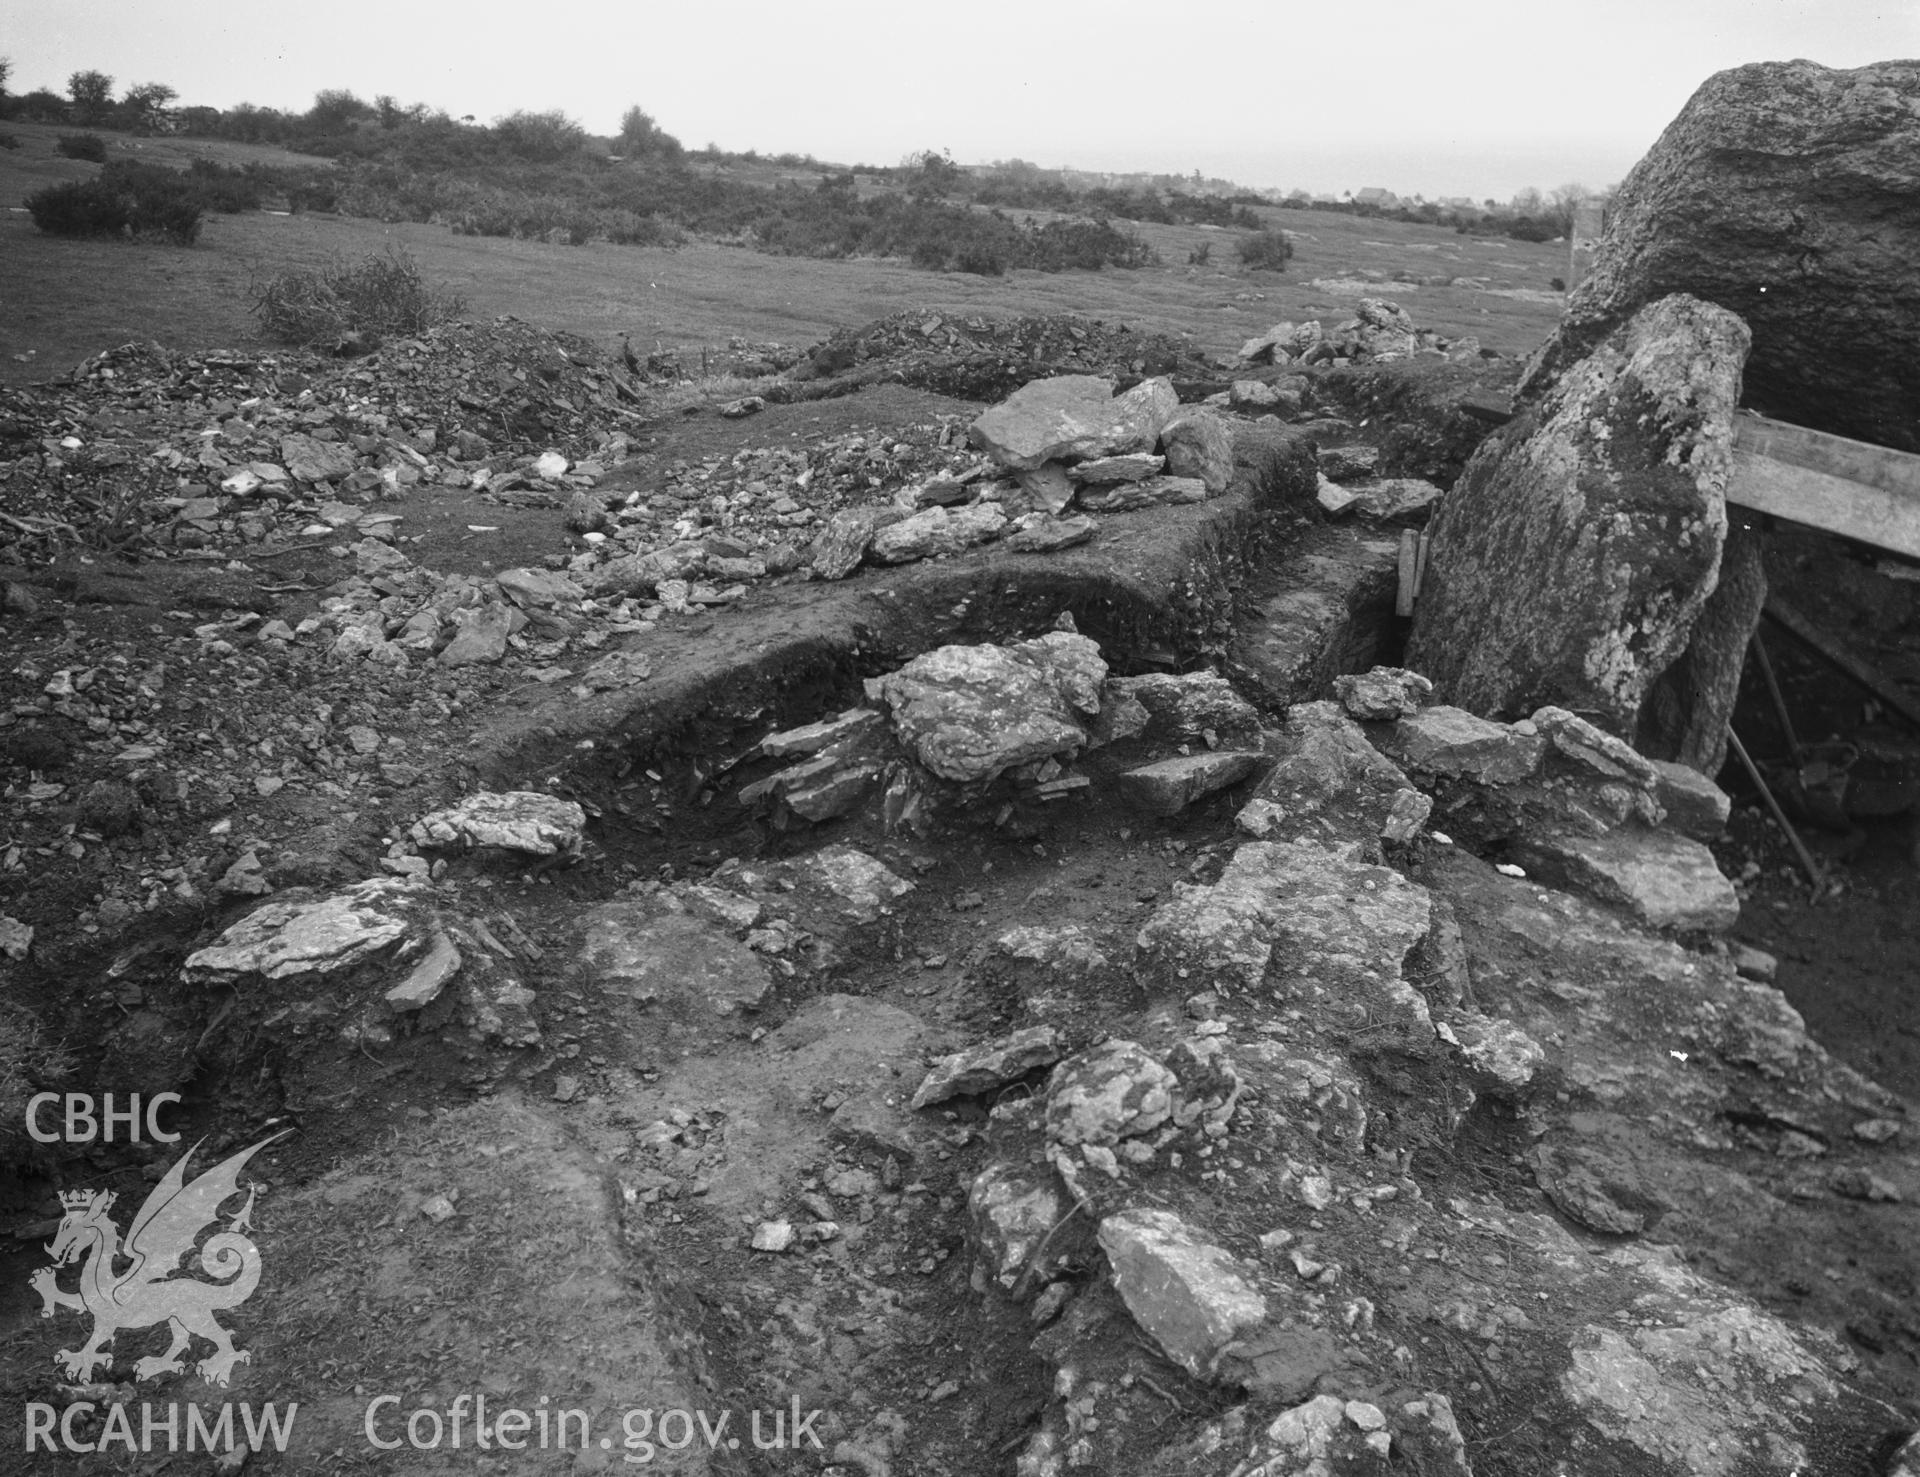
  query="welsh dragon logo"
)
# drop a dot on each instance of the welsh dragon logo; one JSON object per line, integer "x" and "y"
{"x": 132, "y": 1286}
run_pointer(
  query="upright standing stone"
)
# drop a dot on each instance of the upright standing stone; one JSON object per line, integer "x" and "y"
{"x": 1572, "y": 559}
{"x": 1788, "y": 193}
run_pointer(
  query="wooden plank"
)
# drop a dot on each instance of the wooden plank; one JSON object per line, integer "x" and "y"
{"x": 1409, "y": 568}
{"x": 1865, "y": 492}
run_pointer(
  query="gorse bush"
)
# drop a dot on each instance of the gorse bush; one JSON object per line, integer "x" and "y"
{"x": 224, "y": 189}
{"x": 1265, "y": 251}
{"x": 88, "y": 146}
{"x": 79, "y": 208}
{"x": 125, "y": 199}
{"x": 379, "y": 294}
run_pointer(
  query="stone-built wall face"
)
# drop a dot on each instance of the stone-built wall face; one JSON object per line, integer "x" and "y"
{"x": 1788, "y": 193}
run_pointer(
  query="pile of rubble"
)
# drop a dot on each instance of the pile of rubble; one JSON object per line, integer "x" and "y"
{"x": 981, "y": 358}
{"x": 1379, "y": 330}
{"x": 995, "y": 732}
{"x": 145, "y": 451}
{"x": 1053, "y": 445}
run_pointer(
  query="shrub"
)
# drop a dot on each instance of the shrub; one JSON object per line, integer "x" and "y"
{"x": 88, "y": 146}
{"x": 79, "y": 208}
{"x": 1265, "y": 251}
{"x": 1199, "y": 256}
{"x": 125, "y": 198}
{"x": 982, "y": 259}
{"x": 9, "y": 141}
{"x": 1558, "y": 284}
{"x": 226, "y": 190}
{"x": 377, "y": 294}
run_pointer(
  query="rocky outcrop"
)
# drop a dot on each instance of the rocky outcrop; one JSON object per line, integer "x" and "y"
{"x": 1788, "y": 193}
{"x": 1571, "y": 561}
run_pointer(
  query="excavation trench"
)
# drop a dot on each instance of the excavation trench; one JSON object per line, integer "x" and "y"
{"x": 656, "y": 1206}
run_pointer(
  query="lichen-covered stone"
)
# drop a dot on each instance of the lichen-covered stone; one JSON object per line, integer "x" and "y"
{"x": 1190, "y": 1296}
{"x": 282, "y": 940}
{"x": 1073, "y": 417}
{"x": 990, "y": 1065}
{"x": 1667, "y": 881}
{"x": 514, "y": 820}
{"x": 1571, "y": 560}
{"x": 937, "y": 531}
{"x": 1169, "y": 786}
{"x": 1382, "y": 694}
{"x": 1453, "y": 743}
{"x": 1789, "y": 193}
{"x": 969, "y": 713}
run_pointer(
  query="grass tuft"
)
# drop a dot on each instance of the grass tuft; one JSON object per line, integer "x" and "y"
{"x": 381, "y": 294}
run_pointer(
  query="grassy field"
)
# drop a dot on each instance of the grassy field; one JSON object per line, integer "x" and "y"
{"x": 61, "y": 301}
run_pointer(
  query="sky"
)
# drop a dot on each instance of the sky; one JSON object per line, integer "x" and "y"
{"x": 1477, "y": 98}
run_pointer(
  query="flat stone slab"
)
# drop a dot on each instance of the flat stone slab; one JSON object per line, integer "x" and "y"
{"x": 1104, "y": 471}
{"x": 1192, "y": 1298}
{"x": 1397, "y": 500}
{"x": 811, "y": 738}
{"x": 971, "y": 712}
{"x": 1066, "y": 946}
{"x": 1331, "y": 783}
{"x": 1170, "y": 786}
{"x": 937, "y": 531}
{"x": 864, "y": 885}
{"x": 285, "y": 939}
{"x": 515, "y": 820}
{"x": 1073, "y": 417}
{"x": 1047, "y": 535}
{"x": 1154, "y": 492}
{"x": 1694, "y": 804}
{"x": 1665, "y": 880}
{"x": 1695, "y": 1380}
{"x": 1453, "y": 742}
{"x": 1185, "y": 708}
{"x": 990, "y": 1065}
{"x": 671, "y": 959}
{"x": 538, "y": 587}
{"x": 1316, "y": 919}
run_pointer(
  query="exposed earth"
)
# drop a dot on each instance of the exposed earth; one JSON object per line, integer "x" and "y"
{"x": 1292, "y": 1141}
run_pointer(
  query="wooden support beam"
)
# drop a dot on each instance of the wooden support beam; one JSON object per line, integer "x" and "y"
{"x": 1858, "y": 668}
{"x": 1860, "y": 491}
{"x": 1409, "y": 568}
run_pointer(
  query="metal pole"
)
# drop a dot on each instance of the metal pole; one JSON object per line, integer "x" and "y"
{"x": 1800, "y": 847}
{"x": 1779, "y": 698}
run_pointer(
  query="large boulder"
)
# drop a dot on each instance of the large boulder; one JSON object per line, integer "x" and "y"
{"x": 1573, "y": 558}
{"x": 1788, "y": 193}
{"x": 1073, "y": 417}
{"x": 968, "y": 713}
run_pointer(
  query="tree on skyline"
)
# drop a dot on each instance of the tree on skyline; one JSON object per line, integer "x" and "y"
{"x": 639, "y": 134}
{"x": 145, "y": 105}
{"x": 92, "y": 94}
